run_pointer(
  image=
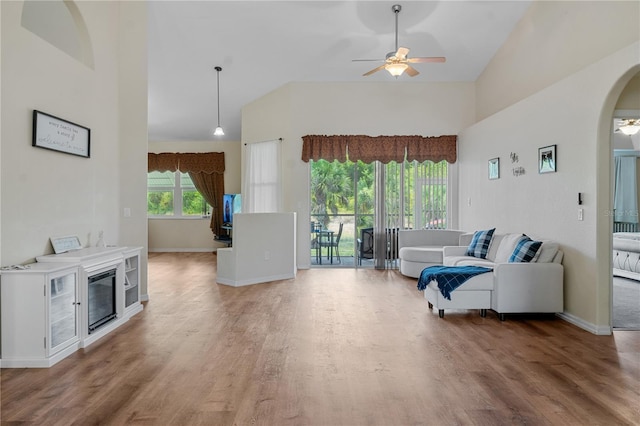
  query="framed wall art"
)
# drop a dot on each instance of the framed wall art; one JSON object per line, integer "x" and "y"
{"x": 547, "y": 161}
{"x": 494, "y": 168}
{"x": 50, "y": 132}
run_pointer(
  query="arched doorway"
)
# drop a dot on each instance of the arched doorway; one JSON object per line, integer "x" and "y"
{"x": 625, "y": 292}
{"x": 605, "y": 187}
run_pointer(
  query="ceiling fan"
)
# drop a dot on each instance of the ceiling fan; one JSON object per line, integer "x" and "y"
{"x": 628, "y": 126}
{"x": 397, "y": 62}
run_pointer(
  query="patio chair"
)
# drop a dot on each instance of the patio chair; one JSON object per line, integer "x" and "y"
{"x": 333, "y": 244}
{"x": 365, "y": 244}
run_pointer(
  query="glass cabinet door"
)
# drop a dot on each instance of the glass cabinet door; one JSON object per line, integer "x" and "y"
{"x": 63, "y": 312}
{"x": 131, "y": 281}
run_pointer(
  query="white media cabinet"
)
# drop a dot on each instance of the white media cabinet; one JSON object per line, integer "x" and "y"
{"x": 44, "y": 307}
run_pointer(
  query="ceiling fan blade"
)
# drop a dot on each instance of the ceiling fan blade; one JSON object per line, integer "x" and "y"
{"x": 427, "y": 59}
{"x": 367, "y": 60}
{"x": 411, "y": 71}
{"x": 402, "y": 53}
{"x": 381, "y": 67}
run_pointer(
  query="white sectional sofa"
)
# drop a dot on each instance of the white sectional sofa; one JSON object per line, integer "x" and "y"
{"x": 420, "y": 248}
{"x": 523, "y": 287}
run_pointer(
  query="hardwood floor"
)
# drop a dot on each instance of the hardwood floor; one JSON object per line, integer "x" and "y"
{"x": 332, "y": 347}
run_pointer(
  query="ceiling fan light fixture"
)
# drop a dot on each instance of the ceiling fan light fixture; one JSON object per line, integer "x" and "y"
{"x": 218, "y": 131}
{"x": 630, "y": 129}
{"x": 397, "y": 62}
{"x": 397, "y": 69}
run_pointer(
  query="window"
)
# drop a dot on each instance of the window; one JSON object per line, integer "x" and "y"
{"x": 172, "y": 194}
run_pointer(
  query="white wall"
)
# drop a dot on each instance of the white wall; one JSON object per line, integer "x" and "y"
{"x": 553, "y": 40}
{"x": 46, "y": 193}
{"x": 132, "y": 85}
{"x": 1, "y": 132}
{"x": 573, "y": 109}
{"x": 181, "y": 235}
{"x": 263, "y": 250}
{"x": 393, "y": 108}
{"x": 192, "y": 234}
{"x": 630, "y": 98}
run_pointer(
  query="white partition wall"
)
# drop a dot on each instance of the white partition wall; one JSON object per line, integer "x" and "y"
{"x": 264, "y": 249}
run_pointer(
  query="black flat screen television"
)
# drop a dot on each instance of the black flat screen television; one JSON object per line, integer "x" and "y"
{"x": 231, "y": 204}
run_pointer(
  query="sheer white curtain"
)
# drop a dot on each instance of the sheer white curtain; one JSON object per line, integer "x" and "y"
{"x": 625, "y": 195}
{"x": 262, "y": 192}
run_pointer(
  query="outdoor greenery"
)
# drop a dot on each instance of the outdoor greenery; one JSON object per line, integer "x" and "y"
{"x": 332, "y": 191}
{"x": 163, "y": 189}
{"x": 160, "y": 203}
{"x": 422, "y": 187}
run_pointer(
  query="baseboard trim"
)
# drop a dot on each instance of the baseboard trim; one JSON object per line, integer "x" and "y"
{"x": 183, "y": 250}
{"x": 240, "y": 283}
{"x": 600, "y": 330}
{"x": 40, "y": 362}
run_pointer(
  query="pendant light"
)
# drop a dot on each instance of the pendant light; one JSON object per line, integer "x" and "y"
{"x": 218, "y": 131}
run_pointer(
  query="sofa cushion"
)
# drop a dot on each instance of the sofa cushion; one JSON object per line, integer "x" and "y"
{"x": 480, "y": 243}
{"x": 467, "y": 261}
{"x": 525, "y": 250}
{"x": 479, "y": 282}
{"x": 547, "y": 252}
{"x": 496, "y": 241}
{"x": 423, "y": 254}
{"x": 506, "y": 247}
{"x": 474, "y": 261}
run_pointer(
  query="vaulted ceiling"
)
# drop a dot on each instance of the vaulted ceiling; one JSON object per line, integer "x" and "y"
{"x": 262, "y": 45}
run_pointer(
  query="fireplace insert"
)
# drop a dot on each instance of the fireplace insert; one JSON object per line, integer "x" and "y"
{"x": 101, "y": 299}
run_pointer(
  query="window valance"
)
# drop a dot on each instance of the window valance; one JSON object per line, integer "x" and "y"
{"x": 433, "y": 148}
{"x": 165, "y": 162}
{"x": 379, "y": 148}
{"x": 203, "y": 162}
{"x": 316, "y": 147}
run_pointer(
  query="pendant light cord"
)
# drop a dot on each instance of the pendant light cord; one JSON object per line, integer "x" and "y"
{"x": 218, "y": 69}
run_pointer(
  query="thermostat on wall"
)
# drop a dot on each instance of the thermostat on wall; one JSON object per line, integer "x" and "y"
{"x": 65, "y": 244}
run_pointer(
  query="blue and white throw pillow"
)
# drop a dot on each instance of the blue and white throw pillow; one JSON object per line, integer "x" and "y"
{"x": 525, "y": 250}
{"x": 480, "y": 243}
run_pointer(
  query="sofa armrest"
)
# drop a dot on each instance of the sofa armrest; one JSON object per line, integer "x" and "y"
{"x": 528, "y": 287}
{"x": 428, "y": 237}
{"x": 454, "y": 251}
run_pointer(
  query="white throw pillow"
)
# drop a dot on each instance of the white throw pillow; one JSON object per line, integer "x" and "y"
{"x": 547, "y": 252}
{"x": 493, "y": 249}
{"x": 507, "y": 245}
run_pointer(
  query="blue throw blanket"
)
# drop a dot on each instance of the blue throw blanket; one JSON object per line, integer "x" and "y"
{"x": 449, "y": 277}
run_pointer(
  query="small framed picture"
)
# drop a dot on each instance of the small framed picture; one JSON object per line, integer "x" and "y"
{"x": 547, "y": 159}
{"x": 494, "y": 168}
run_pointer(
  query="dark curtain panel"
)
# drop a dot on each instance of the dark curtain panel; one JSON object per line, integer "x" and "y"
{"x": 211, "y": 186}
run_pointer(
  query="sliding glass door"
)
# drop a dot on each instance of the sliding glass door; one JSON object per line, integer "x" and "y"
{"x": 372, "y": 202}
